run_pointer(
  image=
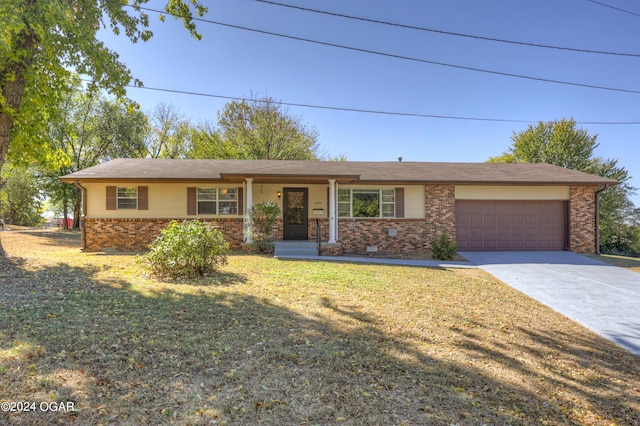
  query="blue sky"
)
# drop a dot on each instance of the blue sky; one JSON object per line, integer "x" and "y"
{"x": 236, "y": 63}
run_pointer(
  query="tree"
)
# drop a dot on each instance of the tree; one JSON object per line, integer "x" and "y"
{"x": 20, "y": 199}
{"x": 257, "y": 129}
{"x": 554, "y": 142}
{"x": 89, "y": 128}
{"x": 561, "y": 144}
{"x": 170, "y": 135}
{"x": 43, "y": 41}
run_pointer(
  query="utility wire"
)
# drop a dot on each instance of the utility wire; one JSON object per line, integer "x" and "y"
{"x": 610, "y": 7}
{"x": 450, "y": 33}
{"x": 407, "y": 58}
{"x": 368, "y": 111}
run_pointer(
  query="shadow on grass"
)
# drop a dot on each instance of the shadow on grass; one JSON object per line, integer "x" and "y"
{"x": 213, "y": 279}
{"x": 54, "y": 237}
{"x": 171, "y": 357}
{"x": 375, "y": 261}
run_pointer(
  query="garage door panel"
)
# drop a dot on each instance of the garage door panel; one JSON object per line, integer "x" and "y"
{"x": 476, "y": 233}
{"x": 515, "y": 245}
{"x": 503, "y": 233}
{"x": 517, "y": 219}
{"x": 475, "y": 220}
{"x": 510, "y": 225}
{"x": 503, "y": 219}
{"x": 503, "y": 245}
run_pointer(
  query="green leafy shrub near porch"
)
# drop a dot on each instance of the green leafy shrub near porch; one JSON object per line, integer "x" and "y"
{"x": 444, "y": 248}
{"x": 262, "y": 218}
{"x": 187, "y": 249}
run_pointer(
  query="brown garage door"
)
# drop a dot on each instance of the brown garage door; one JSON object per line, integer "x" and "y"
{"x": 511, "y": 225}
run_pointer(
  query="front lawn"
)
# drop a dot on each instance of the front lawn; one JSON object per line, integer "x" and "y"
{"x": 632, "y": 263}
{"x": 292, "y": 342}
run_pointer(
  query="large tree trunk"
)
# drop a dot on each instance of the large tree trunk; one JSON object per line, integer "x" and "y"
{"x": 12, "y": 84}
{"x": 76, "y": 213}
{"x": 65, "y": 214}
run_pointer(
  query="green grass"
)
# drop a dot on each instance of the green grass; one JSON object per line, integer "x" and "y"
{"x": 632, "y": 263}
{"x": 292, "y": 342}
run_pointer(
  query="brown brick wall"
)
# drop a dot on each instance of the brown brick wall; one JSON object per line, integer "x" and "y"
{"x": 440, "y": 211}
{"x": 324, "y": 229}
{"x": 137, "y": 234}
{"x": 582, "y": 219}
{"x": 355, "y": 235}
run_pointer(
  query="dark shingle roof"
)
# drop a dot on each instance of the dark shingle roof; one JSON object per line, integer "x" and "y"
{"x": 149, "y": 170}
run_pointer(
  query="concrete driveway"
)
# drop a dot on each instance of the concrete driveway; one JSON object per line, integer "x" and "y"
{"x": 600, "y": 296}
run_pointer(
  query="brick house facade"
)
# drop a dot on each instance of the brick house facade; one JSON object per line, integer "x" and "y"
{"x": 388, "y": 208}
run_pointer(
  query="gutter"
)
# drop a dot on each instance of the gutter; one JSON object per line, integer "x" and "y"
{"x": 83, "y": 231}
{"x": 598, "y": 217}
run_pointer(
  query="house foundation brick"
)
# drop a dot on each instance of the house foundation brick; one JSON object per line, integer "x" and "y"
{"x": 137, "y": 234}
{"x": 386, "y": 235}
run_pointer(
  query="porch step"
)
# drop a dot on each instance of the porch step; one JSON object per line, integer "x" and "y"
{"x": 295, "y": 248}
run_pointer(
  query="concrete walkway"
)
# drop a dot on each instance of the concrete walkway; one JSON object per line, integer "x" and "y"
{"x": 600, "y": 296}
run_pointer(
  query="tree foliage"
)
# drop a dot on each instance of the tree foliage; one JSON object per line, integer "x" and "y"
{"x": 257, "y": 129}
{"x": 562, "y": 144}
{"x": 170, "y": 133}
{"x": 43, "y": 42}
{"x": 20, "y": 199}
{"x": 553, "y": 142}
{"x": 88, "y": 128}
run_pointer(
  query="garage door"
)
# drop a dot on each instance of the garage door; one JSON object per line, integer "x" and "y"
{"x": 511, "y": 225}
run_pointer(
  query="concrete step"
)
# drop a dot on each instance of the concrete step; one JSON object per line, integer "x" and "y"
{"x": 295, "y": 248}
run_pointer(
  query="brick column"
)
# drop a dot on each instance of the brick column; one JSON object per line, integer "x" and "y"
{"x": 440, "y": 211}
{"x": 582, "y": 219}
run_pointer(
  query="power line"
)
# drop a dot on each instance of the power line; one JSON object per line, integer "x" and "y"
{"x": 408, "y": 58}
{"x": 610, "y": 7}
{"x": 450, "y": 33}
{"x": 368, "y": 111}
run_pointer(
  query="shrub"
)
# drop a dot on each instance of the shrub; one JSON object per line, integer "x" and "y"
{"x": 443, "y": 248}
{"x": 262, "y": 218}
{"x": 187, "y": 249}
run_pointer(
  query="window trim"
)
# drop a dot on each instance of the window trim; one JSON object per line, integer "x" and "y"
{"x": 217, "y": 201}
{"x": 123, "y": 198}
{"x": 371, "y": 190}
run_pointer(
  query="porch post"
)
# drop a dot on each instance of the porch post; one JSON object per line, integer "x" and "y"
{"x": 248, "y": 206}
{"x": 332, "y": 211}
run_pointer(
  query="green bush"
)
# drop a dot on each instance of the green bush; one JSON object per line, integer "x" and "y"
{"x": 187, "y": 249}
{"x": 443, "y": 248}
{"x": 262, "y": 218}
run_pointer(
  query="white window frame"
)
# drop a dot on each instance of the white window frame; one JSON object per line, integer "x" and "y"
{"x": 201, "y": 197}
{"x": 123, "y": 193}
{"x": 222, "y": 206}
{"x": 381, "y": 196}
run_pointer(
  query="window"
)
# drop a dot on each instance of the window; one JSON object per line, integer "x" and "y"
{"x": 217, "y": 200}
{"x": 366, "y": 203}
{"x": 227, "y": 200}
{"x": 127, "y": 198}
{"x": 207, "y": 201}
